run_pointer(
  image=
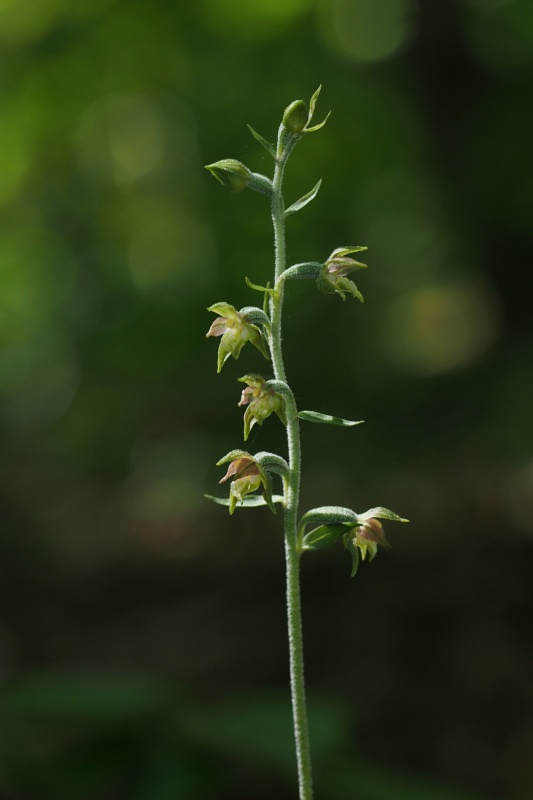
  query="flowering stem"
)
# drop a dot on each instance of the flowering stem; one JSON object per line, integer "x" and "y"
{"x": 359, "y": 533}
{"x": 292, "y": 554}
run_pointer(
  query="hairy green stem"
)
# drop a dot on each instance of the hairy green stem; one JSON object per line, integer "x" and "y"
{"x": 292, "y": 554}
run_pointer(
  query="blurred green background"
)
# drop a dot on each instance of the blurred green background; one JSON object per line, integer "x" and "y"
{"x": 142, "y": 632}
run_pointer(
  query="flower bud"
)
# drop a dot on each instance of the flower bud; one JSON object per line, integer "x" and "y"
{"x": 295, "y": 116}
{"x": 231, "y": 174}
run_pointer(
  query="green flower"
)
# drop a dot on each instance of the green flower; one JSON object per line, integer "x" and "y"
{"x": 332, "y": 278}
{"x": 368, "y": 536}
{"x": 247, "y": 476}
{"x": 261, "y": 400}
{"x": 235, "y": 332}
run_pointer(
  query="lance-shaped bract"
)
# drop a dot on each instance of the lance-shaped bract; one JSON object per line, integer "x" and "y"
{"x": 235, "y": 332}
{"x": 262, "y": 401}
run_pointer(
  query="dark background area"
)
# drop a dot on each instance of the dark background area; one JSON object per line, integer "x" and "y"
{"x": 142, "y": 635}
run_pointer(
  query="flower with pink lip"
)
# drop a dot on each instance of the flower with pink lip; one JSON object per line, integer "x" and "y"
{"x": 332, "y": 278}
{"x": 261, "y": 400}
{"x": 235, "y": 331}
{"x": 247, "y": 476}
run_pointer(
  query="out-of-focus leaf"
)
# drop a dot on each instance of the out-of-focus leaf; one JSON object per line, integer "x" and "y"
{"x": 250, "y": 501}
{"x": 323, "y": 536}
{"x": 327, "y": 419}
{"x": 85, "y": 696}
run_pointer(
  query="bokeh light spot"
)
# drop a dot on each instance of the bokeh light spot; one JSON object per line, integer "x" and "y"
{"x": 170, "y": 248}
{"x": 262, "y": 19}
{"x": 367, "y": 30}
{"x": 440, "y": 328}
{"x": 121, "y": 137}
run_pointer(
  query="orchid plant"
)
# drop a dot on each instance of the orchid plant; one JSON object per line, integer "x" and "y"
{"x": 360, "y": 533}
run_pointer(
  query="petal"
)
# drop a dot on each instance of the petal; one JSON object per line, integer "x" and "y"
{"x": 218, "y": 327}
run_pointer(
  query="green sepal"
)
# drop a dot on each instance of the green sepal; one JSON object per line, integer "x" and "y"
{"x": 255, "y": 315}
{"x": 261, "y": 344}
{"x": 251, "y": 501}
{"x": 341, "y": 286}
{"x": 223, "y": 355}
{"x": 262, "y": 141}
{"x": 252, "y": 379}
{"x": 313, "y": 102}
{"x": 322, "y": 536}
{"x": 341, "y": 252}
{"x": 303, "y": 201}
{"x": 329, "y": 515}
{"x": 232, "y": 455}
{"x": 315, "y": 416}
{"x": 349, "y": 543}
{"x": 224, "y": 310}
{"x": 273, "y": 292}
{"x": 298, "y": 272}
{"x": 271, "y": 462}
{"x": 383, "y": 513}
{"x": 267, "y": 489}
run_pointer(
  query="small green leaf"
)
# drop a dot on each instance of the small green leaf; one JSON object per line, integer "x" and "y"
{"x": 313, "y": 101}
{"x": 272, "y": 292}
{"x": 327, "y": 419}
{"x": 349, "y": 543}
{"x": 329, "y": 515}
{"x": 383, "y": 513}
{"x": 303, "y": 201}
{"x": 262, "y": 141}
{"x": 320, "y": 124}
{"x": 322, "y": 536}
{"x": 251, "y": 501}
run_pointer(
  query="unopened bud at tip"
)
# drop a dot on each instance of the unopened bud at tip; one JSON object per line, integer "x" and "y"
{"x": 295, "y": 116}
